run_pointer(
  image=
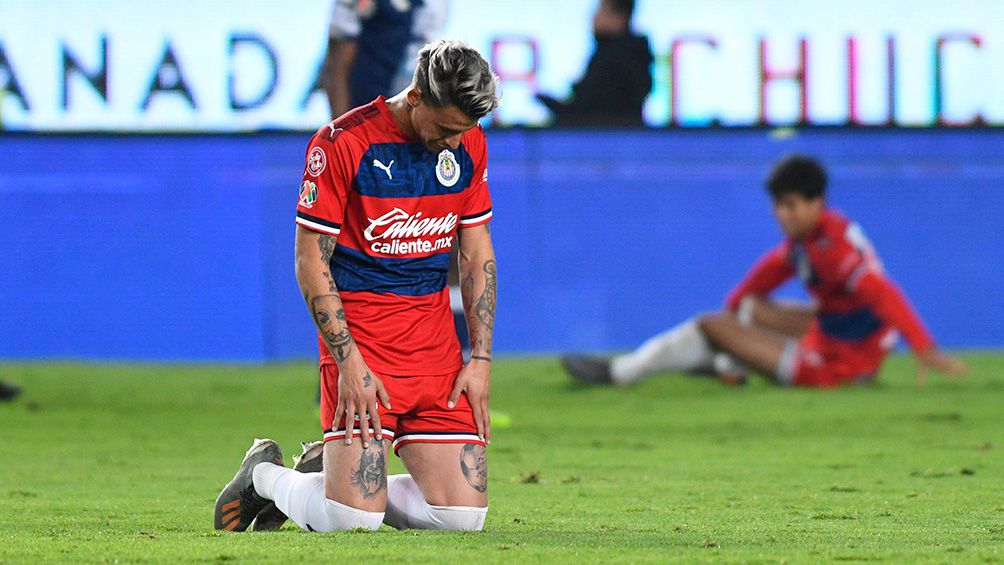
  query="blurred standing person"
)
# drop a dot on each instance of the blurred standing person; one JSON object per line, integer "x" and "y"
{"x": 373, "y": 45}
{"x": 617, "y": 79}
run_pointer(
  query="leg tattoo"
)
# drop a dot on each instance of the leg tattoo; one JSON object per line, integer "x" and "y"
{"x": 371, "y": 476}
{"x": 474, "y": 466}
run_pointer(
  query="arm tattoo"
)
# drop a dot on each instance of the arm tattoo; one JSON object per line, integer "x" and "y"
{"x": 326, "y": 243}
{"x": 371, "y": 475}
{"x": 481, "y": 314}
{"x": 474, "y": 466}
{"x": 331, "y": 280}
{"x": 330, "y": 319}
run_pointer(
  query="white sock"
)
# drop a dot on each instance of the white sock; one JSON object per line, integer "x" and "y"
{"x": 683, "y": 348}
{"x": 301, "y": 497}
{"x": 407, "y": 509}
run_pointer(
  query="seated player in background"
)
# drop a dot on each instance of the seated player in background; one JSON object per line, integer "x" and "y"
{"x": 842, "y": 338}
{"x": 387, "y": 189}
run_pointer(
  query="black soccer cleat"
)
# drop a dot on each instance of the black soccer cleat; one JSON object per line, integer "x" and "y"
{"x": 588, "y": 368}
{"x": 310, "y": 461}
{"x": 238, "y": 503}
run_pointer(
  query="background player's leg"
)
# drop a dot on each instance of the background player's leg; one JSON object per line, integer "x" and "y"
{"x": 759, "y": 349}
{"x": 786, "y": 318}
{"x": 447, "y": 488}
{"x": 682, "y": 348}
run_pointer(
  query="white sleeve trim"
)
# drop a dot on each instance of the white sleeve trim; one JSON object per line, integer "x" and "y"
{"x": 476, "y": 219}
{"x": 318, "y": 227}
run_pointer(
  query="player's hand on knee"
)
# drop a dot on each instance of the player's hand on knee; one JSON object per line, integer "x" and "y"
{"x": 474, "y": 380}
{"x": 358, "y": 392}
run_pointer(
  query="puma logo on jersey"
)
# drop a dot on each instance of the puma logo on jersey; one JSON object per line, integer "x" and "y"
{"x": 384, "y": 168}
{"x": 335, "y": 130}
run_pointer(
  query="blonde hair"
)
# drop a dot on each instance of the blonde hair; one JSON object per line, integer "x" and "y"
{"x": 450, "y": 71}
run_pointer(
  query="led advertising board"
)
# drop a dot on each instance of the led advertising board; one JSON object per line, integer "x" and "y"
{"x": 231, "y": 65}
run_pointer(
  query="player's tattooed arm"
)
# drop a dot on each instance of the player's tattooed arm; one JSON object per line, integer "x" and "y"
{"x": 313, "y": 271}
{"x": 359, "y": 390}
{"x": 480, "y": 311}
{"x": 478, "y": 282}
{"x": 329, "y": 316}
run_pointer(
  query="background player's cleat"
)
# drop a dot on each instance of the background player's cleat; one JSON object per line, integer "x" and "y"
{"x": 238, "y": 503}
{"x": 310, "y": 461}
{"x": 588, "y": 368}
{"x": 729, "y": 370}
{"x": 732, "y": 380}
{"x": 8, "y": 391}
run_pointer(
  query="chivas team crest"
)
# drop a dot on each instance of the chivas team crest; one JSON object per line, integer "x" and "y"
{"x": 447, "y": 170}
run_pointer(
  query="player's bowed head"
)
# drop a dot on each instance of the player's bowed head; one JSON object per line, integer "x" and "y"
{"x": 453, "y": 87}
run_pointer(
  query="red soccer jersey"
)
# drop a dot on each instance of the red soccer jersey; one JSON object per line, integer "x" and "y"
{"x": 839, "y": 266}
{"x": 396, "y": 208}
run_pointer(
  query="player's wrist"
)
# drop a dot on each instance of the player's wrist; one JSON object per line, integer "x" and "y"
{"x": 353, "y": 365}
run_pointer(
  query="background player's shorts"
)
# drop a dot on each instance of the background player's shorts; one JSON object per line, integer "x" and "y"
{"x": 818, "y": 360}
{"x": 418, "y": 410}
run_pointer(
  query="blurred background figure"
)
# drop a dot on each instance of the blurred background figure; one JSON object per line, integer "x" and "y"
{"x": 8, "y": 391}
{"x": 372, "y": 45}
{"x": 617, "y": 79}
{"x": 840, "y": 338}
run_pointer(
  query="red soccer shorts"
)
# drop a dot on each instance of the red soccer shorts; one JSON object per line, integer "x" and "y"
{"x": 821, "y": 361}
{"x": 418, "y": 411}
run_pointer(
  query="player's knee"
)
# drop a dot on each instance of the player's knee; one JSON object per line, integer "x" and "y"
{"x": 341, "y": 517}
{"x": 710, "y": 321}
{"x": 717, "y": 325}
{"x": 458, "y": 518}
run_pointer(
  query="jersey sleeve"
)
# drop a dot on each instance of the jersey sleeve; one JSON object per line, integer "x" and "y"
{"x": 852, "y": 257}
{"x": 477, "y": 200}
{"x": 326, "y": 183}
{"x": 772, "y": 269}
{"x": 892, "y": 306}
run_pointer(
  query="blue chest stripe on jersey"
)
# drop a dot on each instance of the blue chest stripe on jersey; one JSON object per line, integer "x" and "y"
{"x": 356, "y": 271}
{"x": 850, "y": 326}
{"x": 408, "y": 170}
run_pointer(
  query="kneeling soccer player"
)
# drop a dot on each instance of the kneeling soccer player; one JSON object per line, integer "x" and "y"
{"x": 394, "y": 182}
{"x": 842, "y": 338}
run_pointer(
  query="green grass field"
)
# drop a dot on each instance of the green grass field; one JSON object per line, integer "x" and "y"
{"x": 122, "y": 463}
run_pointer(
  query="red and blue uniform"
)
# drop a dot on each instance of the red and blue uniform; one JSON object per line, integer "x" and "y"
{"x": 396, "y": 208}
{"x": 859, "y": 309}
